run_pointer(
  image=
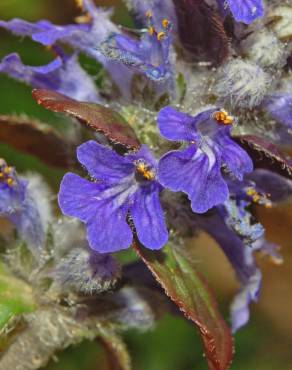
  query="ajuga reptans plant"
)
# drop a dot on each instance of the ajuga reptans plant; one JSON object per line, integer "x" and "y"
{"x": 188, "y": 127}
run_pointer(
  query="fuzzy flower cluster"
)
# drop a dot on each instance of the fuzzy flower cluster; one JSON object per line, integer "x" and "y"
{"x": 192, "y": 149}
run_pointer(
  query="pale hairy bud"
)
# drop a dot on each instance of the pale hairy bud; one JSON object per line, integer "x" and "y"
{"x": 39, "y": 191}
{"x": 280, "y": 18}
{"x": 241, "y": 84}
{"x": 86, "y": 271}
{"x": 264, "y": 48}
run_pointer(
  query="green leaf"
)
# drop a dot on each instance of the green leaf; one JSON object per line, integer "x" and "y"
{"x": 181, "y": 87}
{"x": 178, "y": 276}
{"x": 15, "y": 297}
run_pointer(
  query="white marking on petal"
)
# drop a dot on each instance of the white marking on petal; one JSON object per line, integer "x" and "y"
{"x": 121, "y": 192}
{"x": 207, "y": 149}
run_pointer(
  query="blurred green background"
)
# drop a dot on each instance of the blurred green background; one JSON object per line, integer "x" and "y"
{"x": 265, "y": 344}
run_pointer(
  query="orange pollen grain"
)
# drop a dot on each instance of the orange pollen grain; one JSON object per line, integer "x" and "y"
{"x": 9, "y": 181}
{"x": 143, "y": 170}
{"x": 160, "y": 35}
{"x": 222, "y": 117}
{"x": 148, "y": 14}
{"x": 165, "y": 23}
{"x": 151, "y": 31}
{"x": 7, "y": 170}
{"x": 250, "y": 191}
{"x": 83, "y": 19}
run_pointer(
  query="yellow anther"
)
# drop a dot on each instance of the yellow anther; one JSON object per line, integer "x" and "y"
{"x": 160, "y": 35}
{"x": 148, "y": 14}
{"x": 260, "y": 198}
{"x": 165, "y": 23}
{"x": 256, "y": 198}
{"x": 7, "y": 169}
{"x": 250, "y": 191}
{"x": 9, "y": 181}
{"x": 151, "y": 31}
{"x": 83, "y": 19}
{"x": 142, "y": 169}
{"x": 222, "y": 117}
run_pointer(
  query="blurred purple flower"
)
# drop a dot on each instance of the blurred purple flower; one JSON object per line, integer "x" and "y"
{"x": 196, "y": 170}
{"x": 19, "y": 208}
{"x": 149, "y": 55}
{"x": 123, "y": 184}
{"x": 64, "y": 75}
{"x": 278, "y": 187}
{"x": 231, "y": 226}
{"x": 84, "y": 37}
{"x": 245, "y": 11}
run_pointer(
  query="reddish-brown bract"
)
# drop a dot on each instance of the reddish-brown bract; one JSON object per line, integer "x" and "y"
{"x": 265, "y": 154}
{"x": 181, "y": 281}
{"x": 36, "y": 138}
{"x": 96, "y": 117}
{"x": 201, "y": 31}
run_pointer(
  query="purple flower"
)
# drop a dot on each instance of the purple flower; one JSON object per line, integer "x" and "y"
{"x": 279, "y": 106}
{"x": 160, "y": 10}
{"x": 251, "y": 240}
{"x": 84, "y": 37}
{"x": 19, "y": 208}
{"x": 232, "y": 228}
{"x": 244, "y": 11}
{"x": 64, "y": 75}
{"x": 149, "y": 55}
{"x": 196, "y": 170}
{"x": 123, "y": 185}
{"x": 241, "y": 258}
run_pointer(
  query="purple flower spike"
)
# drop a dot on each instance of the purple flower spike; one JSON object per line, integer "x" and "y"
{"x": 63, "y": 75}
{"x": 123, "y": 184}
{"x": 240, "y": 256}
{"x": 233, "y": 227}
{"x": 245, "y": 11}
{"x": 19, "y": 208}
{"x": 196, "y": 170}
{"x": 149, "y": 56}
{"x": 84, "y": 37}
